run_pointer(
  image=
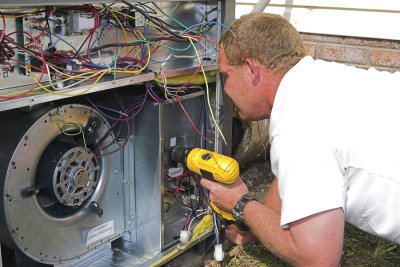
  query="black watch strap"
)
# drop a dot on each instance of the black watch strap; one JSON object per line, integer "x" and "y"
{"x": 237, "y": 211}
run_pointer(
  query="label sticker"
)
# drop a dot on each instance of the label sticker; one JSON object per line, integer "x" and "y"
{"x": 100, "y": 232}
{"x": 175, "y": 172}
{"x": 172, "y": 142}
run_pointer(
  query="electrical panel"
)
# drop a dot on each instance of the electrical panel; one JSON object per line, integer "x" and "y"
{"x": 93, "y": 97}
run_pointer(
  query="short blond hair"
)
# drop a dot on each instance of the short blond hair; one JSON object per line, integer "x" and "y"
{"x": 268, "y": 38}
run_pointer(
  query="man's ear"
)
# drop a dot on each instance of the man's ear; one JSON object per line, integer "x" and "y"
{"x": 253, "y": 69}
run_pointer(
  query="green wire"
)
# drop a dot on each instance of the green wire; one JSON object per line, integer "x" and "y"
{"x": 168, "y": 16}
{"x": 165, "y": 46}
{"x": 115, "y": 63}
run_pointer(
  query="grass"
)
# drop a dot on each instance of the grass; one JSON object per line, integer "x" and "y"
{"x": 360, "y": 249}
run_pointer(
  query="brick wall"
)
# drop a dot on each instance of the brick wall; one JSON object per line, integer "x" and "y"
{"x": 361, "y": 52}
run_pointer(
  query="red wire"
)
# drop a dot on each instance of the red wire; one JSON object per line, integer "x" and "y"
{"x": 43, "y": 70}
{"x": 178, "y": 188}
{"x": 3, "y": 33}
{"x": 183, "y": 86}
{"x": 153, "y": 97}
{"x": 185, "y": 226}
{"x": 33, "y": 39}
{"x": 95, "y": 27}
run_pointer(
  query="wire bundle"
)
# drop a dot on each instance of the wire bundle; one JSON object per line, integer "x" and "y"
{"x": 55, "y": 63}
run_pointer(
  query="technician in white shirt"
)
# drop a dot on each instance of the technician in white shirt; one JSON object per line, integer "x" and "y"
{"x": 335, "y": 143}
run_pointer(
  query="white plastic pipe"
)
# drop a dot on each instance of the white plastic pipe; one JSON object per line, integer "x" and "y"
{"x": 260, "y": 6}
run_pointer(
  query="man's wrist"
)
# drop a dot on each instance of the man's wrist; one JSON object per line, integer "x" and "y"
{"x": 237, "y": 211}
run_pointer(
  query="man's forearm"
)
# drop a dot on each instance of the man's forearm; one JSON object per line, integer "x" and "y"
{"x": 313, "y": 241}
{"x": 264, "y": 223}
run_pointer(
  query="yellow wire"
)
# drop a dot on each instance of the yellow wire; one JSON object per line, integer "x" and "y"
{"x": 148, "y": 54}
{"x": 22, "y": 15}
{"x": 126, "y": 36}
{"x": 45, "y": 87}
{"x": 164, "y": 79}
{"x": 61, "y": 125}
{"x": 141, "y": 35}
{"x": 207, "y": 90}
{"x": 122, "y": 27}
{"x": 142, "y": 21}
{"x": 101, "y": 74}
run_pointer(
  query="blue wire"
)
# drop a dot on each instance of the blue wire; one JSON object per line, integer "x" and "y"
{"x": 141, "y": 106}
{"x": 142, "y": 47}
{"x": 94, "y": 64}
{"x": 152, "y": 92}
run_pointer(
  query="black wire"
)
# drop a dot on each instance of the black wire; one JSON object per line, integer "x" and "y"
{"x": 153, "y": 11}
{"x": 47, "y": 14}
{"x": 144, "y": 13}
{"x": 168, "y": 25}
{"x": 120, "y": 146}
{"x": 181, "y": 202}
{"x": 138, "y": 42}
{"x": 86, "y": 39}
{"x": 10, "y": 40}
{"x": 202, "y": 115}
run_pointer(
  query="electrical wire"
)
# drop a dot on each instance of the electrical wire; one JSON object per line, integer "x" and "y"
{"x": 61, "y": 125}
{"x": 206, "y": 23}
{"x": 208, "y": 92}
{"x": 151, "y": 19}
{"x": 17, "y": 95}
{"x": 191, "y": 221}
{"x": 60, "y": 78}
{"x": 3, "y": 32}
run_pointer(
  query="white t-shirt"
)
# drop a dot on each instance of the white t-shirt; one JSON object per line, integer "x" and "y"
{"x": 335, "y": 142}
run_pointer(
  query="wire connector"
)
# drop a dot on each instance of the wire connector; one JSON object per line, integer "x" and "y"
{"x": 218, "y": 253}
{"x": 185, "y": 236}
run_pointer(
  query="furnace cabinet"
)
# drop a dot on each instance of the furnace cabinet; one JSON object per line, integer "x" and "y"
{"x": 93, "y": 95}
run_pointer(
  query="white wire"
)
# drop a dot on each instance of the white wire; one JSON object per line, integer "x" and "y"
{"x": 72, "y": 84}
{"x": 205, "y": 212}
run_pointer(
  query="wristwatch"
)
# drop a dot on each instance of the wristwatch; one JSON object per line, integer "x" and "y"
{"x": 237, "y": 211}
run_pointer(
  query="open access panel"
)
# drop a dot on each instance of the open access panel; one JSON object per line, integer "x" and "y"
{"x": 93, "y": 95}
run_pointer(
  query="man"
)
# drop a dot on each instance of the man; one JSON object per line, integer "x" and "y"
{"x": 335, "y": 144}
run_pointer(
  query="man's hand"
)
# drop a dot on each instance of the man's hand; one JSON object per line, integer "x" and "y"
{"x": 237, "y": 236}
{"x": 223, "y": 195}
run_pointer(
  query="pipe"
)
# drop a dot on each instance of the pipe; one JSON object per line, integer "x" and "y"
{"x": 260, "y": 6}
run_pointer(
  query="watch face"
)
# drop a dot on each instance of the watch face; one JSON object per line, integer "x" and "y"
{"x": 237, "y": 211}
{"x": 238, "y": 216}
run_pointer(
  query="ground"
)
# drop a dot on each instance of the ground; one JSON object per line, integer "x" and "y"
{"x": 360, "y": 248}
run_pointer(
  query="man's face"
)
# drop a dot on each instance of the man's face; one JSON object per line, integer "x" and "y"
{"x": 238, "y": 87}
